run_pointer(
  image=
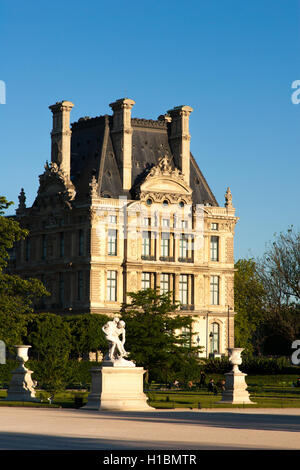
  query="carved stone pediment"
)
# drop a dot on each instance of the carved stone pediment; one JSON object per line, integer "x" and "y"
{"x": 165, "y": 182}
{"x": 53, "y": 182}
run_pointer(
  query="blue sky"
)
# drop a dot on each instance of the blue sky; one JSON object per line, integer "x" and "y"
{"x": 233, "y": 61}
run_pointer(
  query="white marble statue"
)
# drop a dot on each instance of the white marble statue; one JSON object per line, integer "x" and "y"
{"x": 113, "y": 330}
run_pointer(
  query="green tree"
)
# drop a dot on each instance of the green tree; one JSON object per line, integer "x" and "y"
{"x": 156, "y": 335}
{"x": 10, "y": 232}
{"x": 249, "y": 295}
{"x": 279, "y": 272}
{"x": 87, "y": 334}
{"x": 16, "y": 294}
{"x": 50, "y": 337}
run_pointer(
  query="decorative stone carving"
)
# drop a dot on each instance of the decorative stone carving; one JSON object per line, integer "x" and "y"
{"x": 53, "y": 176}
{"x": 93, "y": 187}
{"x": 118, "y": 384}
{"x": 228, "y": 199}
{"x": 171, "y": 180}
{"x": 22, "y": 202}
{"x": 235, "y": 383}
{"x": 21, "y": 387}
{"x": 116, "y": 354}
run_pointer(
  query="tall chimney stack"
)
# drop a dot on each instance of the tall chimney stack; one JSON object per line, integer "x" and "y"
{"x": 123, "y": 130}
{"x": 180, "y": 138}
{"x": 61, "y": 136}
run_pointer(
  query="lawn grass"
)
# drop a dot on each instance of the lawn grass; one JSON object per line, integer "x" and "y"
{"x": 269, "y": 391}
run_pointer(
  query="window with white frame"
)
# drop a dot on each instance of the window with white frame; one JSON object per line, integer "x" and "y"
{"x": 112, "y": 286}
{"x": 184, "y": 224}
{"x": 146, "y": 281}
{"x": 112, "y": 219}
{"x": 183, "y": 289}
{"x": 214, "y": 337}
{"x": 183, "y": 246}
{"x": 165, "y": 245}
{"x": 112, "y": 242}
{"x": 214, "y": 226}
{"x": 214, "y": 248}
{"x": 146, "y": 243}
{"x": 214, "y": 290}
{"x": 165, "y": 222}
{"x": 164, "y": 283}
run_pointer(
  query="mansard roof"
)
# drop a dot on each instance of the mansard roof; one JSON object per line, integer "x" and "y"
{"x": 93, "y": 154}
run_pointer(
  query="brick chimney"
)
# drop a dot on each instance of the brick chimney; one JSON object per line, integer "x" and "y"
{"x": 123, "y": 137}
{"x": 61, "y": 136}
{"x": 180, "y": 138}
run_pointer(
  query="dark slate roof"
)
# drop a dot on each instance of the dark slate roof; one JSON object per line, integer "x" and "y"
{"x": 92, "y": 153}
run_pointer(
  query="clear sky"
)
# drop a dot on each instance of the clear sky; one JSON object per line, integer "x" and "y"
{"x": 233, "y": 61}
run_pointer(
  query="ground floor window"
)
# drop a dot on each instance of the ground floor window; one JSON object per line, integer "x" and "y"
{"x": 112, "y": 286}
{"x": 214, "y": 337}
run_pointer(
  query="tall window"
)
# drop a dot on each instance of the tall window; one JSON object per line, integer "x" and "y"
{"x": 80, "y": 285}
{"x": 165, "y": 245}
{"x": 214, "y": 336}
{"x": 146, "y": 280}
{"x": 44, "y": 247}
{"x": 214, "y": 248}
{"x": 61, "y": 244}
{"x": 27, "y": 249}
{"x": 80, "y": 242}
{"x": 61, "y": 288}
{"x": 112, "y": 219}
{"x": 112, "y": 286}
{"x": 146, "y": 244}
{"x": 164, "y": 283}
{"x": 112, "y": 242}
{"x": 183, "y": 247}
{"x": 214, "y": 290}
{"x": 183, "y": 289}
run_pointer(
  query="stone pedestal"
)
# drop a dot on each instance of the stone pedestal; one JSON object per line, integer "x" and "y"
{"x": 117, "y": 389}
{"x": 235, "y": 391}
{"x": 21, "y": 385}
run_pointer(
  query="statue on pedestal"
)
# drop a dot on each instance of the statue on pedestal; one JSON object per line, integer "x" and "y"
{"x": 113, "y": 329}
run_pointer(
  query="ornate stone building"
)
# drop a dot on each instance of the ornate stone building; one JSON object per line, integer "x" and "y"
{"x": 124, "y": 206}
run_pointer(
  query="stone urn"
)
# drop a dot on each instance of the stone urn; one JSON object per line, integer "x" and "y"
{"x": 235, "y": 385}
{"x": 22, "y": 354}
{"x": 21, "y": 387}
{"x": 235, "y": 358}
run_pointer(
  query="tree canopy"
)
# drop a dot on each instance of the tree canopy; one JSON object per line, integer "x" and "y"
{"x": 158, "y": 338}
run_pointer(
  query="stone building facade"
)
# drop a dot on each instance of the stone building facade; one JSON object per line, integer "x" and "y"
{"x": 123, "y": 206}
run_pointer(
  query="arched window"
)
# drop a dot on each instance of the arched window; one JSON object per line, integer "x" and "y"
{"x": 214, "y": 337}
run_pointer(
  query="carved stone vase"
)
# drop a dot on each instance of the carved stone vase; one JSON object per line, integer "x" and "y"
{"x": 235, "y": 384}
{"x": 21, "y": 387}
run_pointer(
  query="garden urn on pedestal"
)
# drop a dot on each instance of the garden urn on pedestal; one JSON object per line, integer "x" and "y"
{"x": 21, "y": 387}
{"x": 235, "y": 384}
